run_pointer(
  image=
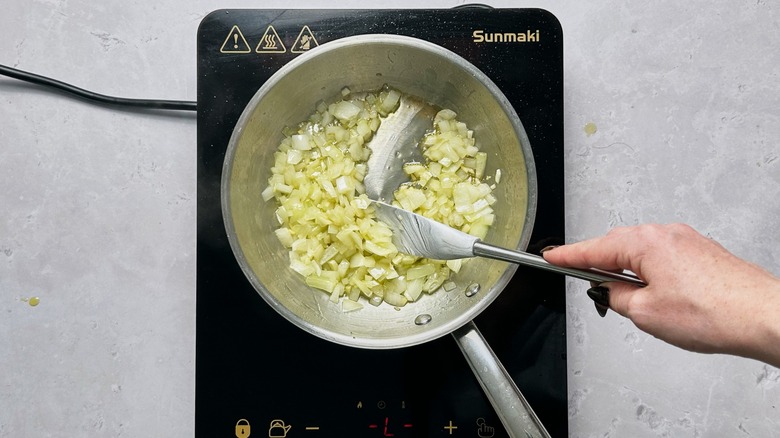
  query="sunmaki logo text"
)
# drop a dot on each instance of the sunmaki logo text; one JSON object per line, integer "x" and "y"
{"x": 529, "y": 36}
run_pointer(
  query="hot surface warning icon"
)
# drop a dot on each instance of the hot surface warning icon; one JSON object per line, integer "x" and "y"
{"x": 270, "y": 42}
{"x": 305, "y": 41}
{"x": 235, "y": 42}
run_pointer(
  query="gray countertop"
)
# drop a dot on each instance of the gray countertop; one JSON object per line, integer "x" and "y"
{"x": 672, "y": 113}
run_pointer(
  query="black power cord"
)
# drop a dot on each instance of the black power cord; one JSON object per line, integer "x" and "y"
{"x": 174, "y": 105}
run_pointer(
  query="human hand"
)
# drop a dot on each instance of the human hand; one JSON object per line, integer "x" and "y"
{"x": 699, "y": 296}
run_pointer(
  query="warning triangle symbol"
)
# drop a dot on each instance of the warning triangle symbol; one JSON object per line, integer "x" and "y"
{"x": 270, "y": 42}
{"x": 235, "y": 42}
{"x": 305, "y": 41}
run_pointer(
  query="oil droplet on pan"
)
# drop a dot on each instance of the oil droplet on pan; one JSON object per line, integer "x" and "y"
{"x": 590, "y": 128}
{"x": 472, "y": 289}
{"x": 423, "y": 319}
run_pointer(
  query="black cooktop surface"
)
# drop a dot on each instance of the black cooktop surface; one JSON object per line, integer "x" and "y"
{"x": 256, "y": 373}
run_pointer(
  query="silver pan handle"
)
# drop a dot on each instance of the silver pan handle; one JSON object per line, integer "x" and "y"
{"x": 513, "y": 410}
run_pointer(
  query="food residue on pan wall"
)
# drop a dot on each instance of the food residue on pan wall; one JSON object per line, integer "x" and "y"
{"x": 590, "y": 128}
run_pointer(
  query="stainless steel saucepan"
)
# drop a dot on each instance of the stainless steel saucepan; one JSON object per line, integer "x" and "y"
{"x": 436, "y": 75}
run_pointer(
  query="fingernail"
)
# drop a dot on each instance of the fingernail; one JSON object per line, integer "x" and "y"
{"x": 600, "y": 296}
{"x": 547, "y": 248}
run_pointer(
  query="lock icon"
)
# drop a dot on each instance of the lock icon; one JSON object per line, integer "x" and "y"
{"x": 243, "y": 428}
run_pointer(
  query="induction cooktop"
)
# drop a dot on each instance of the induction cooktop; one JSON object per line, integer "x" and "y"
{"x": 257, "y": 374}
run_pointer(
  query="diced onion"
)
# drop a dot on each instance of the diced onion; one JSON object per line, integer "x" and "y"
{"x": 346, "y": 110}
{"x": 284, "y": 236}
{"x": 414, "y": 289}
{"x": 420, "y": 271}
{"x": 455, "y": 265}
{"x": 350, "y": 306}
{"x": 395, "y": 299}
{"x": 300, "y": 142}
{"x": 328, "y": 224}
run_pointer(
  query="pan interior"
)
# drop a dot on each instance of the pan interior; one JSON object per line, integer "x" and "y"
{"x": 365, "y": 63}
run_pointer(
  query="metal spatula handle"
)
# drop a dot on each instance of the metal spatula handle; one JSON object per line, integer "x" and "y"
{"x": 483, "y": 249}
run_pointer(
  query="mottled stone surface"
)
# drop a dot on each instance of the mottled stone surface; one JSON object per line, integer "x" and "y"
{"x": 672, "y": 113}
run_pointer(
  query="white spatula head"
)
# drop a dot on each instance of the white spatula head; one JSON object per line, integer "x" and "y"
{"x": 420, "y": 236}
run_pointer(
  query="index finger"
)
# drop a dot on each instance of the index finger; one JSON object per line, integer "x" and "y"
{"x": 617, "y": 250}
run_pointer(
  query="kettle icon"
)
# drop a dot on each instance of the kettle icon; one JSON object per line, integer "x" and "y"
{"x": 278, "y": 429}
